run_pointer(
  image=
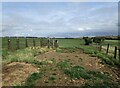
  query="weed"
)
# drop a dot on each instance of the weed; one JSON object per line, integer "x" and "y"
{"x": 23, "y": 55}
{"x": 32, "y": 78}
{"x": 80, "y": 72}
{"x": 101, "y": 84}
{"x": 97, "y": 74}
{"x": 63, "y": 65}
{"x": 52, "y": 78}
{"x": 59, "y": 50}
{"x": 77, "y": 72}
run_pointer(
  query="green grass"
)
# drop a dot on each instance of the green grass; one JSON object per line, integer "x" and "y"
{"x": 100, "y": 84}
{"x": 94, "y": 79}
{"x": 79, "y": 71}
{"x": 59, "y": 50}
{"x": 63, "y": 65}
{"x": 21, "y": 42}
{"x": 65, "y": 46}
{"x": 24, "y": 55}
{"x": 93, "y": 51}
{"x": 52, "y": 78}
{"x": 70, "y": 43}
{"x": 32, "y": 79}
{"x": 66, "y": 50}
{"x": 97, "y": 75}
{"x": 62, "y": 42}
{"x": 111, "y": 42}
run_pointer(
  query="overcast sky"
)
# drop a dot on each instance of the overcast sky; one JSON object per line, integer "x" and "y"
{"x": 59, "y": 19}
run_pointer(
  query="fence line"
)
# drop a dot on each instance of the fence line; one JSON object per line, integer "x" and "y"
{"x": 119, "y": 54}
{"x": 108, "y": 50}
{"x": 50, "y": 43}
{"x": 115, "y": 52}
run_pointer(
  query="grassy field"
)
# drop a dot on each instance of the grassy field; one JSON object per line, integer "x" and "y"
{"x": 75, "y": 63}
{"x": 63, "y": 43}
{"x": 111, "y": 42}
{"x": 21, "y": 42}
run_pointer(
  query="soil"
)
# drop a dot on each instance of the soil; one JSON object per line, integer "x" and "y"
{"x": 75, "y": 58}
{"x": 17, "y": 72}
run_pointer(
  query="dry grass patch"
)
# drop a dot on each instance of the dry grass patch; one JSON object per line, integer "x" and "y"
{"x": 16, "y": 73}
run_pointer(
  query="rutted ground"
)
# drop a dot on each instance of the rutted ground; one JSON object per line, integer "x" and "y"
{"x": 17, "y": 73}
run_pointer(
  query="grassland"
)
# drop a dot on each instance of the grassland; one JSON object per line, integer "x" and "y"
{"x": 62, "y": 42}
{"x": 69, "y": 43}
{"x": 69, "y": 61}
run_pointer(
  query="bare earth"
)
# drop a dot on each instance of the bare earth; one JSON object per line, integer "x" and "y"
{"x": 16, "y": 72}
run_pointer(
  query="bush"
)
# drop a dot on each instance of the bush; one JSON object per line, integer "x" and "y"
{"x": 98, "y": 40}
{"x": 87, "y": 40}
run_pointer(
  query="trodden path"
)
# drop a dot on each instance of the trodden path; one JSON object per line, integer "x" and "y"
{"x": 76, "y": 58}
{"x": 19, "y": 71}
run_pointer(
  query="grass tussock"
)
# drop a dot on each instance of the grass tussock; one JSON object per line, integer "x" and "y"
{"x": 32, "y": 79}
{"x": 25, "y": 55}
{"x": 94, "y": 79}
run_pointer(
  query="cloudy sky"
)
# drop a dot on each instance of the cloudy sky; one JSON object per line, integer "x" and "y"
{"x": 59, "y": 19}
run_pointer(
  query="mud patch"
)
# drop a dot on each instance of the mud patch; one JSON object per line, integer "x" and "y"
{"x": 16, "y": 73}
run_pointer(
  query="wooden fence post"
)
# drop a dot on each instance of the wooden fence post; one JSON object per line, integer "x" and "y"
{"x": 107, "y": 49}
{"x": 17, "y": 43}
{"x": 119, "y": 54}
{"x": 100, "y": 47}
{"x": 41, "y": 42}
{"x": 56, "y": 43}
{"x": 115, "y": 52}
{"x": 9, "y": 44}
{"x": 26, "y": 43}
{"x": 48, "y": 43}
{"x": 53, "y": 43}
{"x": 33, "y": 42}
